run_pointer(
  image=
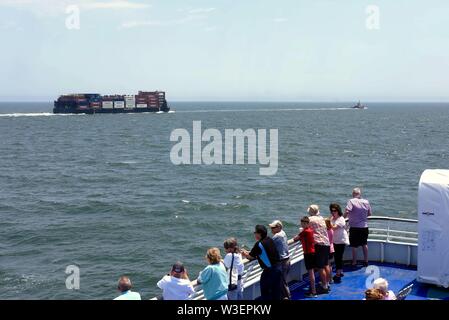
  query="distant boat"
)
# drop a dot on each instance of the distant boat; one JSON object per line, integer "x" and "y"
{"x": 359, "y": 106}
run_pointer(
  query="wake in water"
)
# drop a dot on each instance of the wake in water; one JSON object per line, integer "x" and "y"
{"x": 264, "y": 110}
{"x": 36, "y": 114}
{"x": 48, "y": 114}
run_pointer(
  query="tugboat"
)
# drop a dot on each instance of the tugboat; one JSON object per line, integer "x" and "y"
{"x": 359, "y": 106}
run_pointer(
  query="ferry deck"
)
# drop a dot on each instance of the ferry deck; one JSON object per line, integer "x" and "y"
{"x": 392, "y": 255}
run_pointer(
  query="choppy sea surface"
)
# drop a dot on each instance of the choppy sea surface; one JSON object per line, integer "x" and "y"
{"x": 100, "y": 191}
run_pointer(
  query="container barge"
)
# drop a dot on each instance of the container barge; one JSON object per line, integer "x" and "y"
{"x": 90, "y": 103}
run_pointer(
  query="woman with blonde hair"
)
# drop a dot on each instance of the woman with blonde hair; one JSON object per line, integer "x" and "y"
{"x": 213, "y": 278}
{"x": 373, "y": 294}
{"x": 322, "y": 245}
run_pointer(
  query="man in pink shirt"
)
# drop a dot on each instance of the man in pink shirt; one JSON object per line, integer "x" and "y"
{"x": 358, "y": 210}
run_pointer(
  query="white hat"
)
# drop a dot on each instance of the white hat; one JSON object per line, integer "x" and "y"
{"x": 276, "y": 223}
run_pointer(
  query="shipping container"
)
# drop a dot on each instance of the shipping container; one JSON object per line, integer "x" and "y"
{"x": 130, "y": 102}
{"x": 95, "y": 105}
{"x": 141, "y": 105}
{"x": 108, "y": 104}
{"x": 119, "y": 104}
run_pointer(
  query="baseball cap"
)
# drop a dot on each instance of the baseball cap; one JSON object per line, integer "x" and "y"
{"x": 178, "y": 267}
{"x": 276, "y": 223}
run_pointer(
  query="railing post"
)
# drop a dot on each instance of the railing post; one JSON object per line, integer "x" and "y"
{"x": 388, "y": 231}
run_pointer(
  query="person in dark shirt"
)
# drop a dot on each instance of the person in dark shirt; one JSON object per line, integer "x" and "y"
{"x": 265, "y": 252}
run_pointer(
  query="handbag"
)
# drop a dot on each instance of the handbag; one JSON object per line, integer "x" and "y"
{"x": 231, "y": 286}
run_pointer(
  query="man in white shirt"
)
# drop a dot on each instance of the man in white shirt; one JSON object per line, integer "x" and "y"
{"x": 176, "y": 285}
{"x": 124, "y": 286}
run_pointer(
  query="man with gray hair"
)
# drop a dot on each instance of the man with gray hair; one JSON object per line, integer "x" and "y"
{"x": 124, "y": 286}
{"x": 281, "y": 242}
{"x": 358, "y": 210}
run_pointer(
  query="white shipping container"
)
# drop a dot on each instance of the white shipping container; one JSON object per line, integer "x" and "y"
{"x": 119, "y": 104}
{"x": 141, "y": 105}
{"x": 130, "y": 103}
{"x": 108, "y": 104}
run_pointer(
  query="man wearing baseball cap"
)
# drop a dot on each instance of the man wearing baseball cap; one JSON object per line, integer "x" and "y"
{"x": 281, "y": 242}
{"x": 176, "y": 285}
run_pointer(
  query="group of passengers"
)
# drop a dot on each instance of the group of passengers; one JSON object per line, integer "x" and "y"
{"x": 323, "y": 241}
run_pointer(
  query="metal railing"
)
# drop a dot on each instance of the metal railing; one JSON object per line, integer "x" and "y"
{"x": 390, "y": 229}
{"x": 386, "y": 229}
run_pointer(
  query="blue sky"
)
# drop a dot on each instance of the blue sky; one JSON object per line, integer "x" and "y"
{"x": 292, "y": 50}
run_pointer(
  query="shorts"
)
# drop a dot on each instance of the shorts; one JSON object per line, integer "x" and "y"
{"x": 309, "y": 260}
{"x": 358, "y": 237}
{"x": 331, "y": 258}
{"x": 321, "y": 256}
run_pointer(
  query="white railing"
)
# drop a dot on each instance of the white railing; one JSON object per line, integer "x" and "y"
{"x": 386, "y": 229}
{"x": 390, "y": 229}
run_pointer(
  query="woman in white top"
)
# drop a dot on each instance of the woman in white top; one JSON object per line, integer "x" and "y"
{"x": 340, "y": 239}
{"x": 234, "y": 265}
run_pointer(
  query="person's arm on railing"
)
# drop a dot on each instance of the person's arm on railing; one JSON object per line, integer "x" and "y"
{"x": 253, "y": 254}
{"x": 296, "y": 238}
{"x": 204, "y": 276}
{"x": 247, "y": 255}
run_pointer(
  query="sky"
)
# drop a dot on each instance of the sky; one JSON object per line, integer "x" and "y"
{"x": 227, "y": 50}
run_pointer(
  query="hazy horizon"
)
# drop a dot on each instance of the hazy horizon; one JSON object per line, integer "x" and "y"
{"x": 264, "y": 101}
{"x": 214, "y": 50}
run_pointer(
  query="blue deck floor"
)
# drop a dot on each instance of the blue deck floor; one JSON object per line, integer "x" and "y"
{"x": 354, "y": 283}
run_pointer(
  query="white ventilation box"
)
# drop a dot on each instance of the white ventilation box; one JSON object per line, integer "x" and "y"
{"x": 433, "y": 228}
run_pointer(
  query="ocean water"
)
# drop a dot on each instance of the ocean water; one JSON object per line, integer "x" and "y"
{"x": 100, "y": 191}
